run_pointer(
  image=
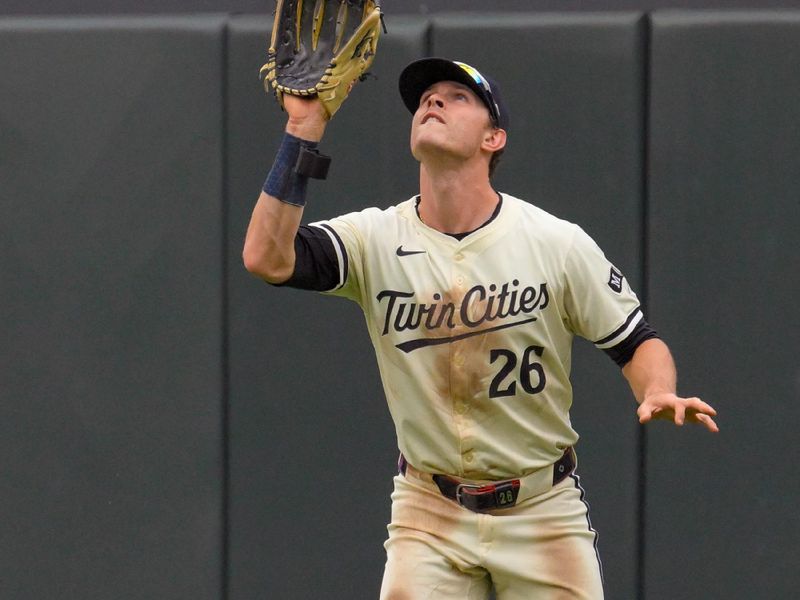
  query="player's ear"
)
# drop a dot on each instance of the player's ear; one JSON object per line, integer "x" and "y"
{"x": 494, "y": 140}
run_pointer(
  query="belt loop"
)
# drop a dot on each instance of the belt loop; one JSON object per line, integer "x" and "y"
{"x": 402, "y": 464}
{"x": 564, "y": 465}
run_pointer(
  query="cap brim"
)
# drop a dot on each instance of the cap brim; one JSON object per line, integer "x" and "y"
{"x": 422, "y": 74}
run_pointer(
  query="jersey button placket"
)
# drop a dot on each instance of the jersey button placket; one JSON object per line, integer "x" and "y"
{"x": 457, "y": 362}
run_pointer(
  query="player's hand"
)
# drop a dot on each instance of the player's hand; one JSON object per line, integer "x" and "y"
{"x": 307, "y": 117}
{"x": 679, "y": 410}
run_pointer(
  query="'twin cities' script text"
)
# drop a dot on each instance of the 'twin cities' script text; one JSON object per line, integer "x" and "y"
{"x": 479, "y": 305}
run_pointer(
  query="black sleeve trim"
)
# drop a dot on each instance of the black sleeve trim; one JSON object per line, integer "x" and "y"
{"x": 316, "y": 264}
{"x": 636, "y": 314}
{"x": 341, "y": 254}
{"x": 623, "y": 352}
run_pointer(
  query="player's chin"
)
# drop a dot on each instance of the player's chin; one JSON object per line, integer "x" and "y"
{"x": 435, "y": 147}
{"x": 424, "y": 140}
{"x": 423, "y": 149}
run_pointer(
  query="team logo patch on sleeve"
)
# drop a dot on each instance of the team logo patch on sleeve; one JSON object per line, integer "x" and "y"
{"x": 615, "y": 280}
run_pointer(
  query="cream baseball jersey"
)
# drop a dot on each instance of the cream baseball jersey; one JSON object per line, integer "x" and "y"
{"x": 473, "y": 336}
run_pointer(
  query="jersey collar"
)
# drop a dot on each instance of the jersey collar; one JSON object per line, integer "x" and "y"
{"x": 461, "y": 236}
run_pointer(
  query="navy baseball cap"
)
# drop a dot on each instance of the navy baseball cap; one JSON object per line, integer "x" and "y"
{"x": 421, "y": 74}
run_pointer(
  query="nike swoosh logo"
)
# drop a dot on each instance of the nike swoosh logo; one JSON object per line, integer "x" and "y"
{"x": 401, "y": 252}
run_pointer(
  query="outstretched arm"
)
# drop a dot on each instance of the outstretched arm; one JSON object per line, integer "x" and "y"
{"x": 269, "y": 244}
{"x": 312, "y": 64}
{"x": 652, "y": 377}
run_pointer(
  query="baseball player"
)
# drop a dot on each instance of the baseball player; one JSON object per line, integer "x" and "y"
{"x": 472, "y": 298}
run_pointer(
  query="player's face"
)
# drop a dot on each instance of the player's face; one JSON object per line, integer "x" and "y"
{"x": 451, "y": 120}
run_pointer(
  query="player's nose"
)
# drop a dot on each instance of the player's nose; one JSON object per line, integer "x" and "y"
{"x": 435, "y": 100}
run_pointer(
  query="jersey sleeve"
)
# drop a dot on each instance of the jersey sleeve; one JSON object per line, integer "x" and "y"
{"x": 316, "y": 264}
{"x": 348, "y": 235}
{"x": 329, "y": 255}
{"x": 599, "y": 302}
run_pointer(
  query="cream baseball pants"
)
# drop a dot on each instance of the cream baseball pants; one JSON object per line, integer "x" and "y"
{"x": 544, "y": 548}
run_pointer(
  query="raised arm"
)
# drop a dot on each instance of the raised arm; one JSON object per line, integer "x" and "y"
{"x": 269, "y": 244}
{"x": 652, "y": 377}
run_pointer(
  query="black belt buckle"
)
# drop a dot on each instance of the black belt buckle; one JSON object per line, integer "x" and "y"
{"x": 479, "y": 498}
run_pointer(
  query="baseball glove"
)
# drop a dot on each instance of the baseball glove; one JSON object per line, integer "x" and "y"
{"x": 321, "y": 48}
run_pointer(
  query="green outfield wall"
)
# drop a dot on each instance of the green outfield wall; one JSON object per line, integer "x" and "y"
{"x": 171, "y": 427}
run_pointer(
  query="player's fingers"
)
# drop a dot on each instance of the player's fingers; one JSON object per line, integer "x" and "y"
{"x": 707, "y": 421}
{"x": 700, "y": 406}
{"x": 680, "y": 413}
{"x": 646, "y": 412}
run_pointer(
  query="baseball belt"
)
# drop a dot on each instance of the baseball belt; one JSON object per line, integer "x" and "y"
{"x": 482, "y": 497}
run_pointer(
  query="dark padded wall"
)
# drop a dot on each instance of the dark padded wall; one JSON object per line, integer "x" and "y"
{"x": 131, "y": 153}
{"x": 394, "y": 7}
{"x": 722, "y": 519}
{"x": 574, "y": 90}
{"x": 312, "y": 448}
{"x": 110, "y": 292}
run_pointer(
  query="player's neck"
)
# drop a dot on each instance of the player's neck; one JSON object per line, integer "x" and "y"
{"x": 455, "y": 201}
